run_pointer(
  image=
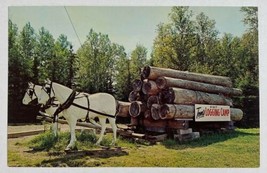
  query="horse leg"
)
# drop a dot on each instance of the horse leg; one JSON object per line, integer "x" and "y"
{"x": 112, "y": 122}
{"x": 72, "y": 124}
{"x": 102, "y": 122}
{"x": 55, "y": 128}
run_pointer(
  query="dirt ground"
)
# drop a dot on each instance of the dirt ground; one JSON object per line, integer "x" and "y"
{"x": 14, "y": 128}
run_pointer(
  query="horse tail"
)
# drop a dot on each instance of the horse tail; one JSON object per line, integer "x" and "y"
{"x": 117, "y": 107}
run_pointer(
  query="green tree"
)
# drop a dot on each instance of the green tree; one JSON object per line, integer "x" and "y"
{"x": 96, "y": 61}
{"x": 249, "y": 68}
{"x": 138, "y": 61}
{"x": 45, "y": 54}
{"x": 202, "y": 52}
{"x": 163, "y": 50}
{"x": 251, "y": 17}
{"x": 18, "y": 70}
{"x": 72, "y": 67}
{"x": 174, "y": 41}
{"x": 183, "y": 36}
{"x": 122, "y": 81}
{"x": 27, "y": 43}
{"x": 60, "y": 60}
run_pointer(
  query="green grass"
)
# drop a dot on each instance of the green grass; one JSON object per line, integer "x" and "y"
{"x": 230, "y": 150}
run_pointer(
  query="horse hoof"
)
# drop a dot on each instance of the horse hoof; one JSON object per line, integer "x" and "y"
{"x": 67, "y": 150}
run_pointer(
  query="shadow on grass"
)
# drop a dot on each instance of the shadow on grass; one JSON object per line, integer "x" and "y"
{"x": 88, "y": 155}
{"x": 86, "y": 158}
{"x": 206, "y": 140}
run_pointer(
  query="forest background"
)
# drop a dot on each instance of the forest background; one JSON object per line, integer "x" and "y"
{"x": 187, "y": 42}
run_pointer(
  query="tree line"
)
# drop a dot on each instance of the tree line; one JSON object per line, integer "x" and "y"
{"x": 187, "y": 42}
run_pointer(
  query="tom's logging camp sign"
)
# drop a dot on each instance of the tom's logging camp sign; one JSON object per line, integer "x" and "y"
{"x": 211, "y": 113}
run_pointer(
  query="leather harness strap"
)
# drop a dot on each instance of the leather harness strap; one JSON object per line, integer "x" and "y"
{"x": 70, "y": 102}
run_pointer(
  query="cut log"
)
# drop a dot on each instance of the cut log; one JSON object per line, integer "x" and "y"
{"x": 165, "y": 82}
{"x": 136, "y": 108}
{"x": 152, "y": 100}
{"x": 173, "y": 111}
{"x": 137, "y": 85}
{"x": 155, "y": 108}
{"x": 185, "y": 96}
{"x": 147, "y": 114}
{"x": 150, "y": 88}
{"x": 153, "y": 73}
{"x": 123, "y": 110}
{"x": 134, "y": 96}
{"x": 236, "y": 114}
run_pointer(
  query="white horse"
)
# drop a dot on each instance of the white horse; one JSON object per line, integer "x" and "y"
{"x": 31, "y": 98}
{"x": 101, "y": 105}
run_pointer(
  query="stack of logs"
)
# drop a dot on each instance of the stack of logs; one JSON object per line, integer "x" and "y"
{"x": 163, "y": 99}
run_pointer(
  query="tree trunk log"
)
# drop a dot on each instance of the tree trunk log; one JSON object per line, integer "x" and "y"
{"x": 152, "y": 100}
{"x": 172, "y": 111}
{"x": 155, "y": 108}
{"x": 150, "y": 88}
{"x": 123, "y": 110}
{"x": 134, "y": 96}
{"x": 165, "y": 82}
{"x": 136, "y": 108}
{"x": 137, "y": 85}
{"x": 190, "y": 97}
{"x": 153, "y": 73}
{"x": 236, "y": 114}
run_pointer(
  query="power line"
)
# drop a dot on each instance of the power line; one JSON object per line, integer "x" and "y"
{"x": 73, "y": 26}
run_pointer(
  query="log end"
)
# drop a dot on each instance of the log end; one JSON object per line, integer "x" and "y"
{"x": 133, "y": 96}
{"x": 166, "y": 96}
{"x": 146, "y": 72}
{"x": 161, "y": 82}
{"x": 163, "y": 112}
{"x": 236, "y": 114}
{"x": 155, "y": 111}
{"x": 152, "y": 100}
{"x": 146, "y": 87}
{"x": 135, "y": 109}
{"x": 137, "y": 85}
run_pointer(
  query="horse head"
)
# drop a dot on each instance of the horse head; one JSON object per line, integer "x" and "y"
{"x": 31, "y": 94}
{"x": 46, "y": 93}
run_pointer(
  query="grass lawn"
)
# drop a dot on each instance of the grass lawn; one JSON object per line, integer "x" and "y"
{"x": 239, "y": 149}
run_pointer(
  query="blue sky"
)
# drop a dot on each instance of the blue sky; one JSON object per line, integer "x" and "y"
{"x": 127, "y": 26}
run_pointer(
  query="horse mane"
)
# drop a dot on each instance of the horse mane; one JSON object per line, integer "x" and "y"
{"x": 63, "y": 86}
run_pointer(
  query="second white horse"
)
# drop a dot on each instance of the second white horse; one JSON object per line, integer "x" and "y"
{"x": 101, "y": 105}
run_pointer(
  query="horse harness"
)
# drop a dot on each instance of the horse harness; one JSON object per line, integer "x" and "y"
{"x": 32, "y": 93}
{"x": 69, "y": 102}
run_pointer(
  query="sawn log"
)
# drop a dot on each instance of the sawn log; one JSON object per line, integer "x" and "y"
{"x": 165, "y": 82}
{"x": 173, "y": 111}
{"x": 190, "y": 97}
{"x": 153, "y": 73}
